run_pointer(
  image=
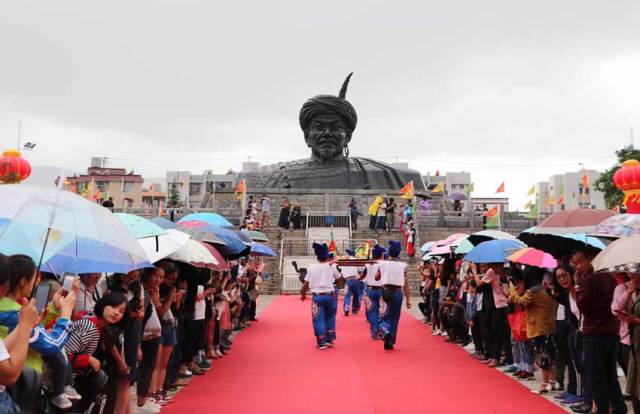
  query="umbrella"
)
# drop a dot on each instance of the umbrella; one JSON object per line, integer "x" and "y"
{"x": 43, "y": 221}
{"x": 234, "y": 246}
{"x": 202, "y": 235}
{"x": 212, "y": 219}
{"x": 620, "y": 225}
{"x": 559, "y": 245}
{"x": 243, "y": 236}
{"x": 493, "y": 251}
{"x": 464, "y": 247}
{"x": 441, "y": 250}
{"x": 455, "y": 238}
{"x": 457, "y": 197}
{"x": 140, "y": 227}
{"x": 223, "y": 265}
{"x": 259, "y": 249}
{"x": 164, "y": 223}
{"x": 256, "y": 235}
{"x": 621, "y": 255}
{"x": 196, "y": 254}
{"x": 80, "y": 257}
{"x": 427, "y": 246}
{"x": 533, "y": 257}
{"x": 160, "y": 247}
{"x": 486, "y": 235}
{"x": 573, "y": 221}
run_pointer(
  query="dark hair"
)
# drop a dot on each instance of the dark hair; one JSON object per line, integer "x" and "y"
{"x": 113, "y": 299}
{"x": 532, "y": 276}
{"x": 168, "y": 266}
{"x": 515, "y": 273}
{"x": 23, "y": 268}
{"x": 146, "y": 274}
{"x": 5, "y": 269}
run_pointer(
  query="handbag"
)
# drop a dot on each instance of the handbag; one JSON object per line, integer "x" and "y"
{"x": 518, "y": 325}
{"x": 152, "y": 329}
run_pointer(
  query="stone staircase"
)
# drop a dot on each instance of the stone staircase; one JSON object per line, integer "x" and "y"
{"x": 272, "y": 264}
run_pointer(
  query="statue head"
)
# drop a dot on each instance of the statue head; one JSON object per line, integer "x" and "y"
{"x": 328, "y": 122}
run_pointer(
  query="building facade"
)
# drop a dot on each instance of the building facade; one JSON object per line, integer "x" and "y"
{"x": 197, "y": 190}
{"x": 101, "y": 183}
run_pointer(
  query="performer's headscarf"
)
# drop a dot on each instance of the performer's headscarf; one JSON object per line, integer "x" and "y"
{"x": 350, "y": 252}
{"x": 377, "y": 252}
{"x": 394, "y": 248}
{"x": 323, "y": 104}
{"x": 321, "y": 250}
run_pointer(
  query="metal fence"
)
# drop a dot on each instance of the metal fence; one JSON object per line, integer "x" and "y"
{"x": 327, "y": 219}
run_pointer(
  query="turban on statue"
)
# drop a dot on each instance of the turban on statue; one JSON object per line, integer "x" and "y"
{"x": 377, "y": 252}
{"x": 321, "y": 250}
{"x": 394, "y": 248}
{"x": 329, "y": 104}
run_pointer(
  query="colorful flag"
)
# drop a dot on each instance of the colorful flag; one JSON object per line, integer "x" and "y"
{"x": 585, "y": 183}
{"x": 500, "y": 188}
{"x": 241, "y": 189}
{"x": 560, "y": 200}
{"x": 332, "y": 245}
{"x": 407, "y": 191}
{"x": 532, "y": 190}
{"x": 161, "y": 209}
{"x": 533, "y": 214}
{"x": 529, "y": 205}
{"x": 495, "y": 210}
{"x": 550, "y": 201}
{"x": 469, "y": 189}
{"x": 438, "y": 188}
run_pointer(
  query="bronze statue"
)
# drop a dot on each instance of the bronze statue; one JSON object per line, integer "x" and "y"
{"x": 328, "y": 122}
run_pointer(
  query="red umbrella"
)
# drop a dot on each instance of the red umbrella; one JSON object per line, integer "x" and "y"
{"x": 215, "y": 253}
{"x": 573, "y": 221}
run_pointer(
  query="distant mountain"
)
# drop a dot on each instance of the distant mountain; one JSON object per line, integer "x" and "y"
{"x": 45, "y": 175}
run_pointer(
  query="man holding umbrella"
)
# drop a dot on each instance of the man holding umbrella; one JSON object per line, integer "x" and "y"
{"x": 320, "y": 279}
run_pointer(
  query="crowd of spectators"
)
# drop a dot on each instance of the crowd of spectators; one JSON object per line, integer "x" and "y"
{"x": 576, "y": 328}
{"x": 117, "y": 343}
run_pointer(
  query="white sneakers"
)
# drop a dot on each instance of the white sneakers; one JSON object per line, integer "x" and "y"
{"x": 63, "y": 401}
{"x": 436, "y": 332}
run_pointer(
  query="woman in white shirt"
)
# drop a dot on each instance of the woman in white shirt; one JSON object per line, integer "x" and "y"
{"x": 373, "y": 293}
{"x": 319, "y": 279}
{"x": 393, "y": 276}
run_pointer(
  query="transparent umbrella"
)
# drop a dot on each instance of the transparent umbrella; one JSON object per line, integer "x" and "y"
{"x": 41, "y": 222}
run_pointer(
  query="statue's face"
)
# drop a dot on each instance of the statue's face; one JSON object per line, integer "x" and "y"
{"x": 327, "y": 136}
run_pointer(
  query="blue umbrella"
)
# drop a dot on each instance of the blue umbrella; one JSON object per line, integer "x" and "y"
{"x": 259, "y": 249}
{"x": 164, "y": 223}
{"x": 588, "y": 240}
{"x": 43, "y": 221}
{"x": 428, "y": 245}
{"x": 80, "y": 257}
{"x": 234, "y": 245}
{"x": 493, "y": 251}
{"x": 209, "y": 218}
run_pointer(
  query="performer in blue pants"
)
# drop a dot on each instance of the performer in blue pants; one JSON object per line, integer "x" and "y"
{"x": 320, "y": 279}
{"x": 392, "y": 274}
{"x": 373, "y": 293}
{"x": 353, "y": 292}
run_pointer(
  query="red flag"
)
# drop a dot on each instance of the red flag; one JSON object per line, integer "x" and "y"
{"x": 493, "y": 212}
{"x": 501, "y": 188}
{"x": 332, "y": 245}
{"x": 161, "y": 209}
{"x": 407, "y": 191}
{"x": 560, "y": 200}
{"x": 241, "y": 189}
{"x": 585, "y": 183}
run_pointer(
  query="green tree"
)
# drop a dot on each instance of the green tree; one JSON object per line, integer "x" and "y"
{"x": 174, "y": 196}
{"x": 612, "y": 196}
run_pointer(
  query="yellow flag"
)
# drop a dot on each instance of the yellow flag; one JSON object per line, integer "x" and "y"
{"x": 532, "y": 190}
{"x": 528, "y": 205}
{"x": 438, "y": 188}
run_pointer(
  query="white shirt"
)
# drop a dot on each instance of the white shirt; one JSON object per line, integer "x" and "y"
{"x": 4, "y": 355}
{"x": 200, "y": 306}
{"x": 321, "y": 277}
{"x": 382, "y": 210}
{"x": 350, "y": 272}
{"x": 392, "y": 272}
{"x": 372, "y": 270}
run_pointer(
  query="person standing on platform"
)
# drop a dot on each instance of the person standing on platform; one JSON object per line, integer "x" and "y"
{"x": 392, "y": 274}
{"x": 373, "y": 293}
{"x": 353, "y": 293}
{"x": 320, "y": 279}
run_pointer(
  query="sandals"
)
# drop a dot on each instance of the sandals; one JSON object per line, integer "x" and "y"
{"x": 544, "y": 389}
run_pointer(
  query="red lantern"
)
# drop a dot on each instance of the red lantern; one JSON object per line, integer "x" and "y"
{"x": 13, "y": 168}
{"x": 627, "y": 179}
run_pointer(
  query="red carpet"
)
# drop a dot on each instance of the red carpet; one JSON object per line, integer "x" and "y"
{"x": 274, "y": 368}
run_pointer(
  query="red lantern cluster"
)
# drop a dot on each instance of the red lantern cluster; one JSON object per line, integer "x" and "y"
{"x": 13, "y": 168}
{"x": 627, "y": 179}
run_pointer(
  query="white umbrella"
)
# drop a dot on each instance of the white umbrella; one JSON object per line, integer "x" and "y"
{"x": 196, "y": 254}
{"x": 160, "y": 247}
{"x": 622, "y": 254}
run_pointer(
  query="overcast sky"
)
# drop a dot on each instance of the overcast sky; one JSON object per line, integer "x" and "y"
{"x": 508, "y": 90}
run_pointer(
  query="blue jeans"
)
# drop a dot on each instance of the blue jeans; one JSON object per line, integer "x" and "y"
{"x": 323, "y": 313}
{"x": 352, "y": 290}
{"x": 390, "y": 315}
{"x": 525, "y": 351}
{"x": 381, "y": 223}
{"x": 372, "y": 309}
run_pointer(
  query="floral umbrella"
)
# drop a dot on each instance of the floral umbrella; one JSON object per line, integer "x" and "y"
{"x": 620, "y": 225}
